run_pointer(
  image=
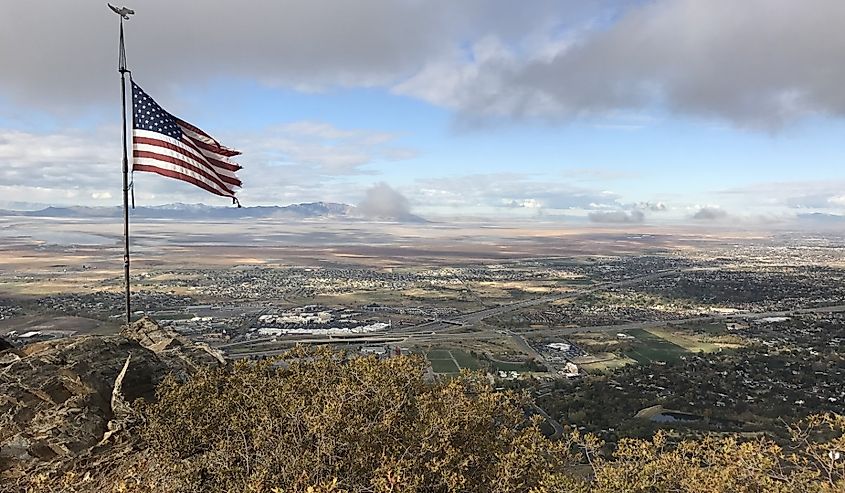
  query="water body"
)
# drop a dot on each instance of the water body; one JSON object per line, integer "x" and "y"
{"x": 677, "y": 417}
{"x": 70, "y": 238}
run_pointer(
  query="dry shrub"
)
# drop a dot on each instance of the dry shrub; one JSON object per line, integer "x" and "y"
{"x": 317, "y": 421}
{"x": 336, "y": 424}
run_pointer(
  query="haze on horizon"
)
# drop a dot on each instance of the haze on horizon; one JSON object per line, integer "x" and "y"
{"x": 610, "y": 112}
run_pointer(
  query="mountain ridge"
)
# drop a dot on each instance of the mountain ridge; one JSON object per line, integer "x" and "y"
{"x": 178, "y": 210}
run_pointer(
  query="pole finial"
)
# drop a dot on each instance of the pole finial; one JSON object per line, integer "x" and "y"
{"x": 124, "y": 11}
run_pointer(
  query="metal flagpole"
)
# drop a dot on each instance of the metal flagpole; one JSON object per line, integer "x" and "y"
{"x": 124, "y": 14}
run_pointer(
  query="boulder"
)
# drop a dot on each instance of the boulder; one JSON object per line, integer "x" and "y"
{"x": 186, "y": 356}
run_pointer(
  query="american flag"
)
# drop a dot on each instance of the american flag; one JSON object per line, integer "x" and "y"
{"x": 169, "y": 146}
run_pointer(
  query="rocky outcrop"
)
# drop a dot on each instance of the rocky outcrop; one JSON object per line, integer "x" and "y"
{"x": 185, "y": 355}
{"x": 58, "y": 399}
{"x": 4, "y": 344}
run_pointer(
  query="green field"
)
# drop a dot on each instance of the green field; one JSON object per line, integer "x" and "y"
{"x": 713, "y": 328}
{"x": 438, "y": 354}
{"x": 504, "y": 366}
{"x": 443, "y": 360}
{"x": 649, "y": 347}
{"x": 578, "y": 282}
{"x": 443, "y": 366}
{"x": 689, "y": 343}
{"x": 466, "y": 360}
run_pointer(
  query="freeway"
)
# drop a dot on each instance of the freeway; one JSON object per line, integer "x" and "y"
{"x": 456, "y": 327}
{"x": 468, "y": 319}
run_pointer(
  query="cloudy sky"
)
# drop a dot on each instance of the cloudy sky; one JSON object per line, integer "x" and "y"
{"x": 604, "y": 111}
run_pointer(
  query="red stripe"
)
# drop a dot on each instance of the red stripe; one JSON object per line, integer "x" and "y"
{"x": 183, "y": 164}
{"x": 195, "y": 144}
{"x": 179, "y": 176}
{"x": 160, "y": 143}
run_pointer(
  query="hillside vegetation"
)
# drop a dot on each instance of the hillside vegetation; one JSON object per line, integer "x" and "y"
{"x": 318, "y": 421}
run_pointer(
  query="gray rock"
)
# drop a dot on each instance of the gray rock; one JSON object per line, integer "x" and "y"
{"x": 56, "y": 397}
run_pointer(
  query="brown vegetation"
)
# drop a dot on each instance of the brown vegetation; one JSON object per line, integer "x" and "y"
{"x": 318, "y": 421}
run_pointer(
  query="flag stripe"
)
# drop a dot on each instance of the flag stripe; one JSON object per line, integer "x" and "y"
{"x": 176, "y": 147}
{"x": 157, "y": 148}
{"x": 182, "y": 164}
{"x": 145, "y": 161}
{"x": 186, "y": 146}
{"x": 212, "y": 157}
{"x": 221, "y": 151}
{"x": 158, "y": 152}
{"x": 180, "y": 176}
{"x": 206, "y": 139}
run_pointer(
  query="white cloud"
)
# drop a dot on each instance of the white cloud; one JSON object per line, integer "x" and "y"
{"x": 381, "y": 201}
{"x": 326, "y": 149}
{"x": 838, "y": 201}
{"x": 813, "y": 195}
{"x": 523, "y": 203}
{"x": 618, "y": 217}
{"x": 287, "y": 163}
{"x": 498, "y": 193}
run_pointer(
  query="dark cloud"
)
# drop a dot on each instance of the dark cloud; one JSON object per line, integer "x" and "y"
{"x": 709, "y": 214}
{"x": 64, "y": 54}
{"x": 756, "y": 63}
{"x": 619, "y": 217}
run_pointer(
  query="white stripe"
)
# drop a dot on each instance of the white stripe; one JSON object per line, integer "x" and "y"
{"x": 197, "y": 156}
{"x": 179, "y": 169}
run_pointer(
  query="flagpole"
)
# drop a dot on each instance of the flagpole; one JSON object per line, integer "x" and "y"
{"x": 124, "y": 15}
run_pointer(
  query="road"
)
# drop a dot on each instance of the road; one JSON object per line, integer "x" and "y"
{"x": 468, "y": 319}
{"x": 456, "y": 327}
{"x": 444, "y": 330}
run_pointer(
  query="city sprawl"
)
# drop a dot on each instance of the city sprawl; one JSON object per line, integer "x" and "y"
{"x": 613, "y": 334}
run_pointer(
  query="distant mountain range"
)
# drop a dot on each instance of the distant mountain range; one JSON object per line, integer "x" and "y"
{"x": 207, "y": 212}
